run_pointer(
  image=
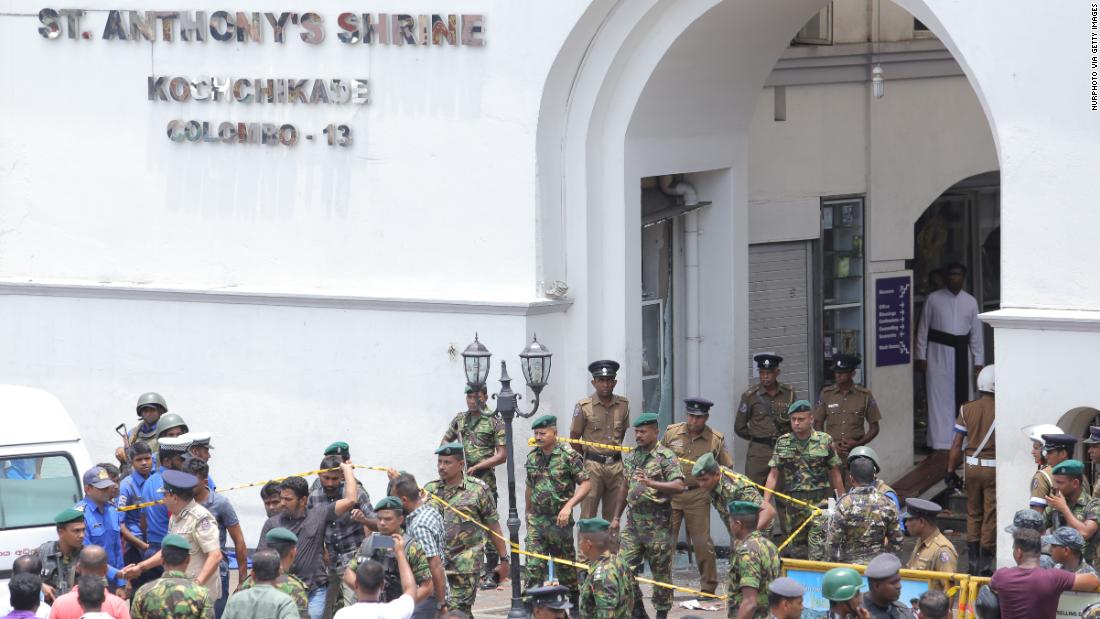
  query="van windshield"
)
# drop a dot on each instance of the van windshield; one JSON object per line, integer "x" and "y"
{"x": 35, "y": 488}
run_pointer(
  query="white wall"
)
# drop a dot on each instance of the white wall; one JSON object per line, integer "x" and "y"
{"x": 274, "y": 384}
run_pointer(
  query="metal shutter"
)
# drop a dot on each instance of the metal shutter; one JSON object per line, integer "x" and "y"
{"x": 779, "y": 309}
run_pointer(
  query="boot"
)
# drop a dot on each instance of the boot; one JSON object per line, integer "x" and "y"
{"x": 973, "y": 557}
{"x": 639, "y": 604}
{"x": 989, "y": 561}
{"x": 574, "y": 600}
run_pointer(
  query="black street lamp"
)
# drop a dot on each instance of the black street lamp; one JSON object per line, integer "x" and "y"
{"x": 535, "y": 363}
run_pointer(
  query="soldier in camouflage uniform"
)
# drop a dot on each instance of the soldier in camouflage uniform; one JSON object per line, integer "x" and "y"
{"x": 1069, "y": 505}
{"x": 721, "y": 489}
{"x": 1066, "y": 547}
{"x": 285, "y": 542}
{"x": 653, "y": 475}
{"x": 174, "y": 595}
{"x": 556, "y": 483}
{"x": 806, "y": 463}
{"x": 754, "y": 562}
{"x": 391, "y": 521}
{"x": 465, "y": 540}
{"x": 866, "y": 523}
{"x": 608, "y": 591}
{"x": 482, "y": 436}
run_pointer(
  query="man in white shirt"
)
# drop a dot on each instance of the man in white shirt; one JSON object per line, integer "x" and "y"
{"x": 949, "y": 338}
{"x": 368, "y": 588}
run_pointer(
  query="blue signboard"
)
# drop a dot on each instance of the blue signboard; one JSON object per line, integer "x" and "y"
{"x": 813, "y": 605}
{"x": 892, "y": 320}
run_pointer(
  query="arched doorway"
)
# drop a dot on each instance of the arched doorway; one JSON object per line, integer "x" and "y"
{"x": 963, "y": 224}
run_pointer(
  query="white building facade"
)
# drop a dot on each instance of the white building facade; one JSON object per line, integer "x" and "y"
{"x": 288, "y": 296}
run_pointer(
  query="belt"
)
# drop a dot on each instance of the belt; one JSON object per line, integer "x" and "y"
{"x": 602, "y": 459}
{"x": 770, "y": 441}
{"x": 972, "y": 461}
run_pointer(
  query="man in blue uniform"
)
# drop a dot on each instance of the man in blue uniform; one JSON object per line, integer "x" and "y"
{"x": 101, "y": 520}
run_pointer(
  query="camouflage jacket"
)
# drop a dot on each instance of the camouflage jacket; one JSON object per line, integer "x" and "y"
{"x": 172, "y": 596}
{"x": 660, "y": 464}
{"x": 391, "y": 584}
{"x": 805, "y": 464}
{"x": 552, "y": 479}
{"x": 865, "y": 525}
{"x": 732, "y": 490}
{"x": 608, "y": 591}
{"x": 292, "y": 586}
{"x": 754, "y": 562}
{"x": 465, "y": 540}
{"x": 1086, "y": 508}
{"x": 479, "y": 434}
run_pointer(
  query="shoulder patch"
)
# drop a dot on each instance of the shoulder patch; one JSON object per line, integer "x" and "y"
{"x": 205, "y": 524}
{"x": 80, "y": 506}
{"x": 743, "y": 408}
{"x": 577, "y": 410}
{"x": 945, "y": 557}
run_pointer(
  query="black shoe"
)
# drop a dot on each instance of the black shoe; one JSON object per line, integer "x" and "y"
{"x": 488, "y": 582}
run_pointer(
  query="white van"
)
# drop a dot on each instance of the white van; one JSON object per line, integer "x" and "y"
{"x": 42, "y": 460}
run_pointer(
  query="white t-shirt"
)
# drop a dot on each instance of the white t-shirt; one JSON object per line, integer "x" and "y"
{"x": 401, "y": 608}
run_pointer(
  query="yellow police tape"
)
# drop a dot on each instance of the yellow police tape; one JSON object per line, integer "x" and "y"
{"x": 127, "y": 508}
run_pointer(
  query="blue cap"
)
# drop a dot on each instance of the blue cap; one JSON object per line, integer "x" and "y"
{"x": 175, "y": 481}
{"x": 97, "y": 477}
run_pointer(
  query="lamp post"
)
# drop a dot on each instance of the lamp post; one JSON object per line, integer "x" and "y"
{"x": 535, "y": 363}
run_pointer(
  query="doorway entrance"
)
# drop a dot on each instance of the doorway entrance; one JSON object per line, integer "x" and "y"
{"x": 962, "y": 225}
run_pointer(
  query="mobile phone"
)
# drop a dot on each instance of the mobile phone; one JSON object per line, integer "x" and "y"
{"x": 383, "y": 541}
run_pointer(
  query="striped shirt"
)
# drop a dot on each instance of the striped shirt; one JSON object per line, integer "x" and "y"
{"x": 425, "y": 525}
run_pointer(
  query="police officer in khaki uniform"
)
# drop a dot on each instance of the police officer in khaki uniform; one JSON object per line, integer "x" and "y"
{"x": 602, "y": 418}
{"x": 689, "y": 441}
{"x": 845, "y": 410}
{"x": 933, "y": 552}
{"x": 762, "y": 416}
{"x": 975, "y": 425}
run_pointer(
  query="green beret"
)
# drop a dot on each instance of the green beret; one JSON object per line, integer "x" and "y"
{"x": 592, "y": 525}
{"x": 336, "y": 448}
{"x": 743, "y": 508}
{"x": 705, "y": 464}
{"x": 279, "y": 534}
{"x": 546, "y": 421}
{"x": 389, "y": 502}
{"x": 449, "y": 449}
{"x": 645, "y": 418}
{"x": 175, "y": 541}
{"x": 799, "y": 405}
{"x": 1072, "y": 468}
{"x": 69, "y": 515}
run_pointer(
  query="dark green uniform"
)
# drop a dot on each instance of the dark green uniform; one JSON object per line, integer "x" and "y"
{"x": 608, "y": 591}
{"x": 552, "y": 479}
{"x": 754, "y": 562}
{"x": 58, "y": 571}
{"x": 647, "y": 534}
{"x": 804, "y": 474}
{"x": 290, "y": 585}
{"x": 418, "y": 563}
{"x": 1086, "y": 508}
{"x": 172, "y": 596}
{"x": 465, "y": 540}
{"x": 480, "y": 436}
{"x": 732, "y": 490}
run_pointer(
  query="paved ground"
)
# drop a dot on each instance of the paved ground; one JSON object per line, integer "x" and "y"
{"x": 495, "y": 604}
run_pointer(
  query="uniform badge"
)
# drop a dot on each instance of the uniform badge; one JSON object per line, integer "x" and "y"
{"x": 945, "y": 557}
{"x": 204, "y": 524}
{"x": 79, "y": 506}
{"x": 1035, "y": 483}
{"x": 577, "y": 410}
{"x": 744, "y": 408}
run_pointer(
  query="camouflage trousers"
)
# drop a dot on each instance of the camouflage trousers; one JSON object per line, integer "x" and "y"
{"x": 461, "y": 592}
{"x": 545, "y": 537}
{"x": 795, "y": 515}
{"x": 647, "y": 537}
{"x": 818, "y": 537}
